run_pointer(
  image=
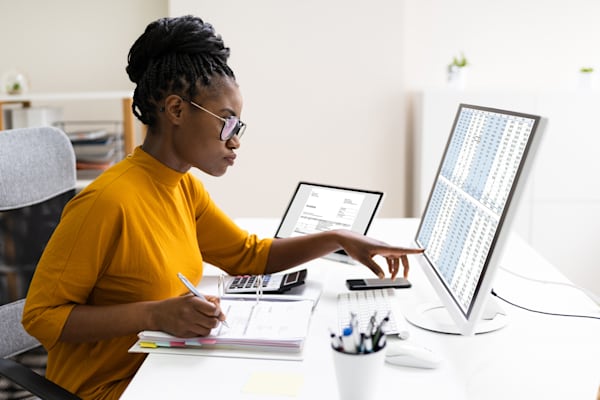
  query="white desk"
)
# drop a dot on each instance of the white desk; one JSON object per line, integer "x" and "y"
{"x": 534, "y": 357}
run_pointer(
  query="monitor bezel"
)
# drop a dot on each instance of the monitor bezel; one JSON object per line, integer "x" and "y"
{"x": 466, "y": 322}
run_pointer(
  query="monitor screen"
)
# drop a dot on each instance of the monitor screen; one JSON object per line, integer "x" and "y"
{"x": 467, "y": 210}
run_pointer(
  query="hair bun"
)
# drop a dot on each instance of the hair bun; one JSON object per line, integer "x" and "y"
{"x": 179, "y": 35}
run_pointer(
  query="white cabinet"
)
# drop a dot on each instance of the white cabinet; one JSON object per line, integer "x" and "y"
{"x": 560, "y": 212}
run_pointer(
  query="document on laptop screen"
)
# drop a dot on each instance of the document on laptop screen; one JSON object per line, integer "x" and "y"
{"x": 318, "y": 208}
{"x": 327, "y": 209}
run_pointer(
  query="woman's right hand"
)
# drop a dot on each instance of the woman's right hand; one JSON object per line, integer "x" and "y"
{"x": 187, "y": 316}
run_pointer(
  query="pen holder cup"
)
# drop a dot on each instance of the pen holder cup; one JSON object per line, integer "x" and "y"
{"x": 358, "y": 374}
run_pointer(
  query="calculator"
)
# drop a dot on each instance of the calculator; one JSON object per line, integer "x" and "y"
{"x": 272, "y": 283}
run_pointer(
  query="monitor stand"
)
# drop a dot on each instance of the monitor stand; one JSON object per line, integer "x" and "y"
{"x": 433, "y": 317}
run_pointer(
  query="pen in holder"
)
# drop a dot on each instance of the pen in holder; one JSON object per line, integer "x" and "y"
{"x": 358, "y": 358}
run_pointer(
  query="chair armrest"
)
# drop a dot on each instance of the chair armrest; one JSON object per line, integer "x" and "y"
{"x": 32, "y": 382}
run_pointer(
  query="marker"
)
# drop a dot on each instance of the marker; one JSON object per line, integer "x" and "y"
{"x": 195, "y": 291}
{"x": 380, "y": 343}
{"x": 355, "y": 331}
{"x": 368, "y": 344}
{"x": 336, "y": 341}
{"x": 361, "y": 346}
{"x": 379, "y": 332}
{"x": 348, "y": 343}
{"x": 371, "y": 325}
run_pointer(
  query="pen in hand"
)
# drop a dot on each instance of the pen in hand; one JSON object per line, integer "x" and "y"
{"x": 195, "y": 291}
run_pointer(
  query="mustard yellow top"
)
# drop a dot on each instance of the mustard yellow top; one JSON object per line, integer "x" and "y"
{"x": 123, "y": 239}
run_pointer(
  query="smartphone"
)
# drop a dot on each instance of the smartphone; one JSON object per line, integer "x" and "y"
{"x": 368, "y": 284}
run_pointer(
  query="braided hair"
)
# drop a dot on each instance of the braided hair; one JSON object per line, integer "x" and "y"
{"x": 172, "y": 56}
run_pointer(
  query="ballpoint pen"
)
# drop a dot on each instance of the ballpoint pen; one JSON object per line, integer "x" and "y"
{"x": 195, "y": 291}
{"x": 379, "y": 332}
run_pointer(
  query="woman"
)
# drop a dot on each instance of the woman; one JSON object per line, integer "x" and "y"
{"x": 110, "y": 268}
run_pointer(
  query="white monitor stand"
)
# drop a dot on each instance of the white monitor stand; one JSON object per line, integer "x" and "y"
{"x": 433, "y": 316}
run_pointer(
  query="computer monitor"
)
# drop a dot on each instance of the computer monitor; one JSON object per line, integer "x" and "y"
{"x": 468, "y": 215}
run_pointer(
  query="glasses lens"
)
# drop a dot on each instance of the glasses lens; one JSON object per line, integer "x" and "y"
{"x": 232, "y": 126}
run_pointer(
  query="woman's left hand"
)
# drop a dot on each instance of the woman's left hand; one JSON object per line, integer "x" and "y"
{"x": 363, "y": 249}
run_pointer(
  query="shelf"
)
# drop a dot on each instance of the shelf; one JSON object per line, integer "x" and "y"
{"x": 124, "y": 96}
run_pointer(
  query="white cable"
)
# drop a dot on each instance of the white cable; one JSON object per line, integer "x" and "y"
{"x": 587, "y": 292}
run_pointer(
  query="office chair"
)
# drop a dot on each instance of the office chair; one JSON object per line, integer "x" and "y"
{"x": 14, "y": 341}
{"x": 37, "y": 178}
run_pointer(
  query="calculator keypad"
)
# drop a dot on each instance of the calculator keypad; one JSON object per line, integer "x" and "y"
{"x": 272, "y": 283}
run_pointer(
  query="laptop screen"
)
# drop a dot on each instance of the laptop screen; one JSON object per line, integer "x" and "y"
{"x": 317, "y": 208}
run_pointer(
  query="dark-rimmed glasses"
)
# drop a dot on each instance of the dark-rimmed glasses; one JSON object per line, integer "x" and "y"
{"x": 231, "y": 125}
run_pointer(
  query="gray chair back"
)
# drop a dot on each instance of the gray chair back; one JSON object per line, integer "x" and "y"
{"x": 36, "y": 164}
{"x": 37, "y": 178}
{"x": 13, "y": 338}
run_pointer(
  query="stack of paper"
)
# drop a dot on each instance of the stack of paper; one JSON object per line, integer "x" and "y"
{"x": 97, "y": 145}
{"x": 272, "y": 326}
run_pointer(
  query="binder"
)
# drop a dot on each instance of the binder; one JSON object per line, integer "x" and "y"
{"x": 264, "y": 329}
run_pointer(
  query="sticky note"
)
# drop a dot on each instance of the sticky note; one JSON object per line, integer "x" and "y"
{"x": 274, "y": 383}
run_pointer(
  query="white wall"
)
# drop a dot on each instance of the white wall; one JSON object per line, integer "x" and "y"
{"x": 323, "y": 97}
{"x": 325, "y": 82}
{"x": 511, "y": 44}
{"x": 349, "y": 67}
{"x": 73, "y": 45}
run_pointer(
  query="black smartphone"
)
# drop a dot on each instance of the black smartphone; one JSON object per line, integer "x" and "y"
{"x": 368, "y": 284}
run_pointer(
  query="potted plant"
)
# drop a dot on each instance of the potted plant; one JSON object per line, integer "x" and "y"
{"x": 457, "y": 71}
{"x": 586, "y": 77}
{"x": 15, "y": 82}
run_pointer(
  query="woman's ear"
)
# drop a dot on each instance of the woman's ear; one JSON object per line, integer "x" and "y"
{"x": 173, "y": 109}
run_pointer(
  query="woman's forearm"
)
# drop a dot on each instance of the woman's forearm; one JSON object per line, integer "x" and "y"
{"x": 184, "y": 316}
{"x": 88, "y": 323}
{"x": 286, "y": 253}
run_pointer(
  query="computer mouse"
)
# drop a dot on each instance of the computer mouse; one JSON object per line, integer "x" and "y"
{"x": 411, "y": 355}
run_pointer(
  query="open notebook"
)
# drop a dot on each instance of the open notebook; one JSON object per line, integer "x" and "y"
{"x": 265, "y": 329}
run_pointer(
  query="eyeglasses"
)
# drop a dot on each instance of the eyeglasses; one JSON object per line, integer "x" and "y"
{"x": 231, "y": 125}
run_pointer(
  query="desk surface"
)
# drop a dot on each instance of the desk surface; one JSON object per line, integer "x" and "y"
{"x": 534, "y": 356}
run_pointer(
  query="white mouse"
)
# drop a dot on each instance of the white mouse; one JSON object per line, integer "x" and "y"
{"x": 410, "y": 355}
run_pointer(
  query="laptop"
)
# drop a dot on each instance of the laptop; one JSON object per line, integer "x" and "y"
{"x": 317, "y": 207}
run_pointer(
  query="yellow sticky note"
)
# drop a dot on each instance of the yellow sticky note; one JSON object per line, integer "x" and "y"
{"x": 274, "y": 383}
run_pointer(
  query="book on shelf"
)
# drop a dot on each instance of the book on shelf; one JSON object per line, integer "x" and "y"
{"x": 96, "y": 156}
{"x": 98, "y": 165}
{"x": 88, "y": 174}
{"x": 97, "y": 145}
{"x": 106, "y": 140}
{"x": 78, "y": 136}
